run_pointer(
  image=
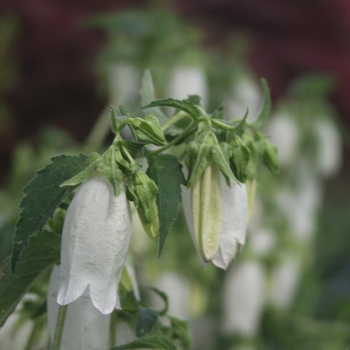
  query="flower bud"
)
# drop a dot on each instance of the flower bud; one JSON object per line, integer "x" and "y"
{"x": 95, "y": 239}
{"x": 148, "y": 129}
{"x": 207, "y": 211}
{"x": 145, "y": 190}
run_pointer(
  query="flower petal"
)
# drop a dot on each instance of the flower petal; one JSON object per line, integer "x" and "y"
{"x": 234, "y": 222}
{"x": 95, "y": 239}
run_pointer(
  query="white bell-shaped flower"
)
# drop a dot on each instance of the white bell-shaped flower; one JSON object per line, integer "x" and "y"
{"x": 95, "y": 240}
{"x": 186, "y": 80}
{"x": 234, "y": 219}
{"x": 85, "y": 327}
{"x": 234, "y": 222}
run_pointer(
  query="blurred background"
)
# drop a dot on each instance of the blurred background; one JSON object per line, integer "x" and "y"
{"x": 62, "y": 63}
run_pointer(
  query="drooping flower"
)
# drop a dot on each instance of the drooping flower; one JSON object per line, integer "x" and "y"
{"x": 234, "y": 222}
{"x": 195, "y": 83}
{"x": 95, "y": 239}
{"x": 227, "y": 222}
{"x": 85, "y": 327}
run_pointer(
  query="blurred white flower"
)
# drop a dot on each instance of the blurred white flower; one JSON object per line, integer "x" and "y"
{"x": 285, "y": 281}
{"x": 243, "y": 299}
{"x": 285, "y": 135}
{"x": 16, "y": 332}
{"x": 177, "y": 288}
{"x": 85, "y": 327}
{"x": 186, "y": 80}
{"x": 245, "y": 94}
{"x": 329, "y": 154}
{"x": 123, "y": 83}
{"x": 95, "y": 240}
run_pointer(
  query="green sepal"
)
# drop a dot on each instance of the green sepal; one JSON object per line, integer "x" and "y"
{"x": 240, "y": 159}
{"x": 266, "y": 107}
{"x": 94, "y": 159}
{"x": 145, "y": 189}
{"x": 148, "y": 129}
{"x": 270, "y": 156}
{"x": 115, "y": 122}
{"x": 219, "y": 113}
{"x": 108, "y": 167}
{"x": 221, "y": 156}
{"x": 206, "y": 140}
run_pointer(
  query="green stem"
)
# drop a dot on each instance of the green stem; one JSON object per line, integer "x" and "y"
{"x": 222, "y": 125}
{"x": 113, "y": 330}
{"x": 62, "y": 311}
{"x": 176, "y": 139}
{"x": 174, "y": 120}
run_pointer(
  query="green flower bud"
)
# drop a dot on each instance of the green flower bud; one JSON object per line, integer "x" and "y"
{"x": 240, "y": 159}
{"x": 207, "y": 211}
{"x": 270, "y": 156}
{"x": 149, "y": 130}
{"x": 145, "y": 189}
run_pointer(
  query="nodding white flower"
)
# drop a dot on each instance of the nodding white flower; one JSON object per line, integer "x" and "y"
{"x": 245, "y": 94}
{"x": 234, "y": 222}
{"x": 285, "y": 281}
{"x": 329, "y": 153}
{"x": 285, "y": 135}
{"x": 233, "y": 225}
{"x": 85, "y": 327}
{"x": 188, "y": 81}
{"x": 243, "y": 299}
{"x": 95, "y": 240}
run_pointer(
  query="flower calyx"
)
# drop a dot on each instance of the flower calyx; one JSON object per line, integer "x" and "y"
{"x": 142, "y": 191}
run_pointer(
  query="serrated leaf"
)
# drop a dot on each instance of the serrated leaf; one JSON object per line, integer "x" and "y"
{"x": 146, "y": 320}
{"x": 42, "y": 251}
{"x": 150, "y": 342}
{"x": 42, "y": 195}
{"x": 147, "y": 96}
{"x": 83, "y": 175}
{"x": 183, "y": 105}
{"x": 266, "y": 107}
{"x": 181, "y": 331}
{"x": 165, "y": 170}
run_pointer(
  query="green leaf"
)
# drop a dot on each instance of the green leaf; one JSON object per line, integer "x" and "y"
{"x": 184, "y": 105}
{"x": 42, "y": 195}
{"x": 147, "y": 96}
{"x": 146, "y": 320}
{"x": 164, "y": 297}
{"x": 94, "y": 159}
{"x": 150, "y": 342}
{"x": 42, "y": 251}
{"x": 181, "y": 331}
{"x": 165, "y": 170}
{"x": 266, "y": 107}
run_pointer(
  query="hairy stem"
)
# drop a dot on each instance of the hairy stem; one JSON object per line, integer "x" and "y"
{"x": 62, "y": 311}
